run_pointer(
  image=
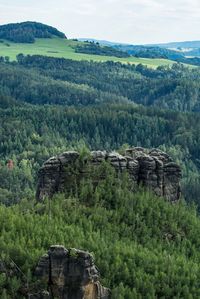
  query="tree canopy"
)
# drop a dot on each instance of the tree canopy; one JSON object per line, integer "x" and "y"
{"x": 26, "y": 32}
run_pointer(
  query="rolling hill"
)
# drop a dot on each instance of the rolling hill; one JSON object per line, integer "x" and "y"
{"x": 183, "y": 52}
{"x": 26, "y": 38}
{"x": 63, "y": 48}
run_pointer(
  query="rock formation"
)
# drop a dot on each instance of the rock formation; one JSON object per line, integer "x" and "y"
{"x": 69, "y": 274}
{"x": 153, "y": 169}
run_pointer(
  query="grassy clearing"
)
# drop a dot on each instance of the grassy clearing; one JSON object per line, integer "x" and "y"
{"x": 57, "y": 47}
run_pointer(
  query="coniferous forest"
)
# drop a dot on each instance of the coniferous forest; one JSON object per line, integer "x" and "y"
{"x": 144, "y": 246}
{"x": 49, "y": 105}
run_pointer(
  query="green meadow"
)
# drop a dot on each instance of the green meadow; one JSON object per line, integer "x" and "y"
{"x": 57, "y": 47}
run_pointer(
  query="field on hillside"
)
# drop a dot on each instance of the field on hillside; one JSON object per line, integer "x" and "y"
{"x": 57, "y": 47}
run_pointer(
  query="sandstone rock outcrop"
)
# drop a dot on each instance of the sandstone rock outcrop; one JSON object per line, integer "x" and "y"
{"x": 69, "y": 274}
{"x": 153, "y": 169}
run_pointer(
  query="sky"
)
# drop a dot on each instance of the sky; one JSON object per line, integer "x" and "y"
{"x": 126, "y": 21}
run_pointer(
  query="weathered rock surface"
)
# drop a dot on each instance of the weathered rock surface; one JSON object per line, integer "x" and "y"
{"x": 69, "y": 274}
{"x": 153, "y": 169}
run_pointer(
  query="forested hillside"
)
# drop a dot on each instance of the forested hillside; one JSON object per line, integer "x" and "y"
{"x": 122, "y": 102}
{"x": 175, "y": 88}
{"x": 143, "y": 246}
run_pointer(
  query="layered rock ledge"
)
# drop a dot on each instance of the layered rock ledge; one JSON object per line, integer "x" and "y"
{"x": 68, "y": 274}
{"x": 152, "y": 169}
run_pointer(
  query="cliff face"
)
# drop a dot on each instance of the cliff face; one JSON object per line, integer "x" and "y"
{"x": 69, "y": 274}
{"x": 153, "y": 169}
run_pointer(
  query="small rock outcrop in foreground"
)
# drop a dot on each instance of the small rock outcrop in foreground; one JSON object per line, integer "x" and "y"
{"x": 69, "y": 274}
{"x": 152, "y": 169}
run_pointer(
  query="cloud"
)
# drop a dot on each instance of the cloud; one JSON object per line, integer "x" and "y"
{"x": 133, "y": 21}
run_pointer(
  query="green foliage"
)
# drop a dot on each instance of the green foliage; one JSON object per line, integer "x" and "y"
{"x": 144, "y": 246}
{"x": 26, "y": 32}
{"x": 96, "y": 49}
{"x": 32, "y": 134}
{"x": 175, "y": 88}
{"x": 73, "y": 252}
{"x": 29, "y": 86}
{"x": 84, "y": 152}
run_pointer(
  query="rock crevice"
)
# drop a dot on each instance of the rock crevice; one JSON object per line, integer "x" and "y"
{"x": 69, "y": 274}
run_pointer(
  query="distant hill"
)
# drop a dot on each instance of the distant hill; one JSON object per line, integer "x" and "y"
{"x": 184, "y": 52}
{"x": 100, "y": 41}
{"x": 142, "y": 51}
{"x": 172, "y": 45}
{"x": 33, "y": 38}
{"x": 26, "y": 32}
{"x": 187, "y": 48}
{"x": 186, "y": 44}
{"x": 149, "y": 52}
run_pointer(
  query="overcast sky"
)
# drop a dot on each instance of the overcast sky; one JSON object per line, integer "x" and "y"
{"x": 128, "y": 21}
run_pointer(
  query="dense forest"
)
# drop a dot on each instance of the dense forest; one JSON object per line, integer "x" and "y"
{"x": 26, "y": 32}
{"x": 122, "y": 102}
{"x": 29, "y": 135}
{"x": 143, "y": 246}
{"x": 175, "y": 88}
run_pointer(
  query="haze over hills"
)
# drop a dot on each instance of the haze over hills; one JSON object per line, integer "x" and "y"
{"x": 187, "y": 48}
{"x": 174, "y": 49}
{"x": 184, "y": 44}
